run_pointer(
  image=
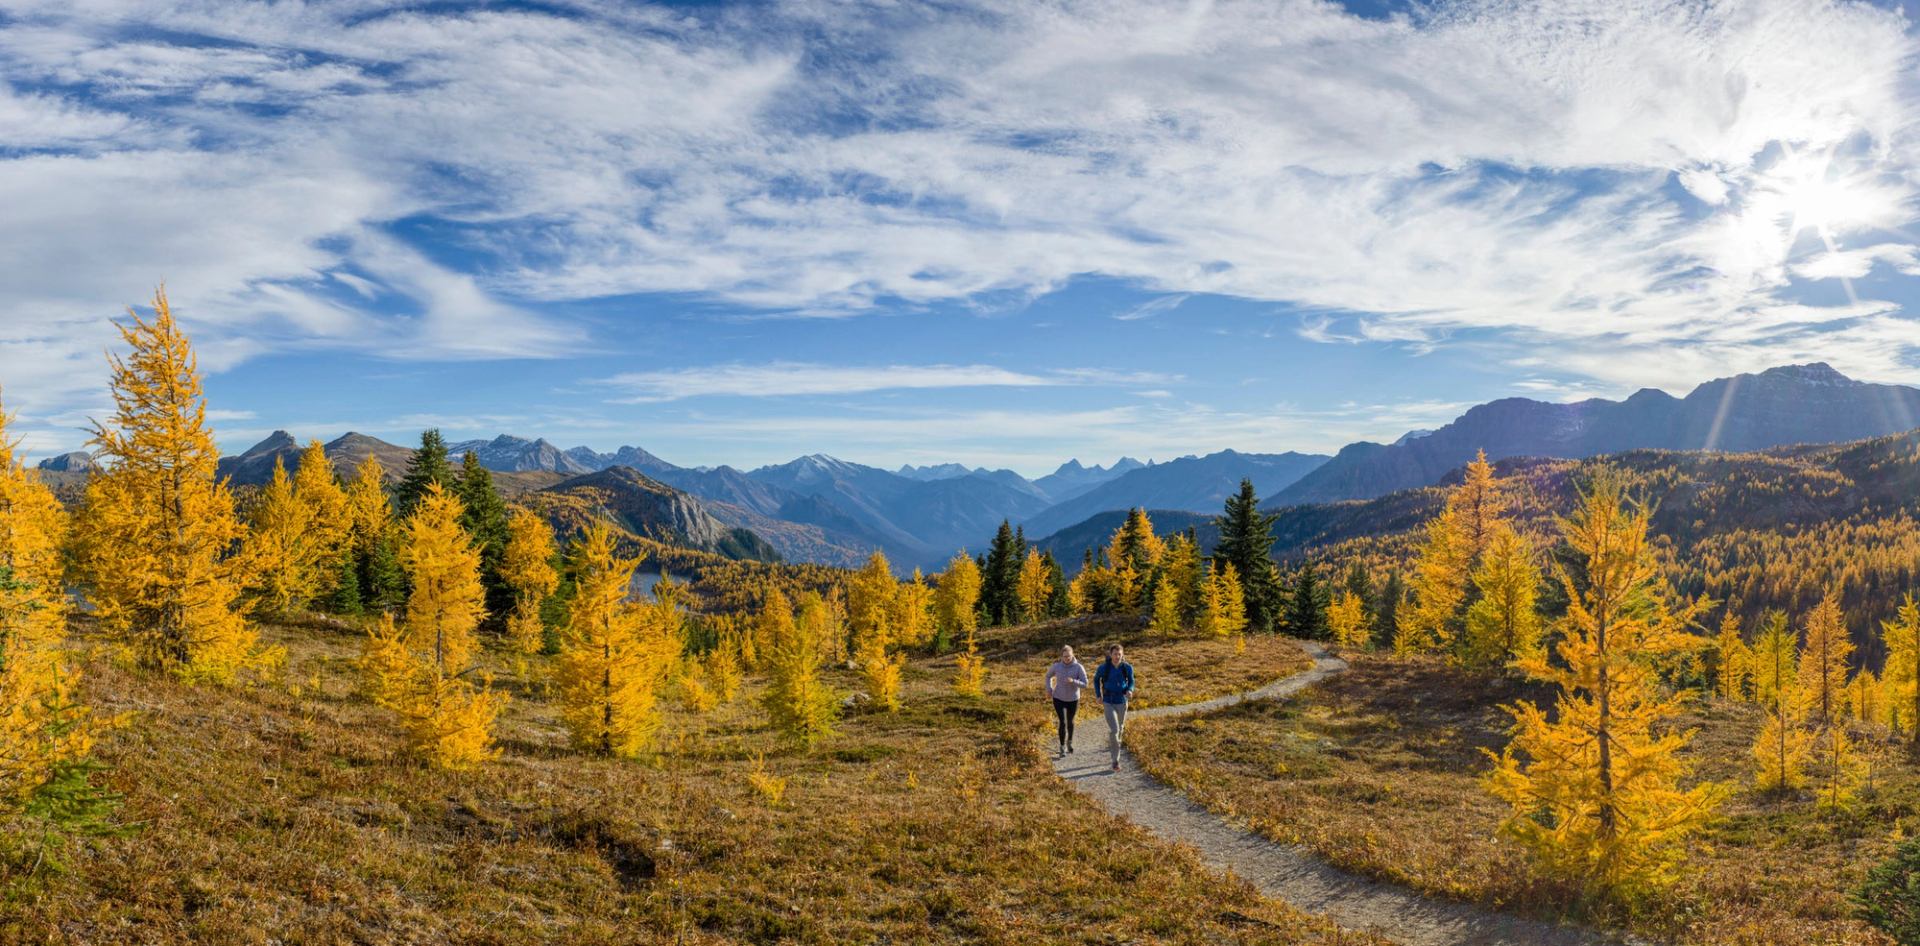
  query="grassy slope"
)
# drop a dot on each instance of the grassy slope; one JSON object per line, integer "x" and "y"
{"x": 286, "y": 813}
{"x": 1379, "y": 770}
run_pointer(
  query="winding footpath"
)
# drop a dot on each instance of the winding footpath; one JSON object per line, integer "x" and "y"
{"x": 1286, "y": 872}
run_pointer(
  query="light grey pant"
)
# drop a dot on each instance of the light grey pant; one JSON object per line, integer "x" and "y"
{"x": 1116, "y": 727}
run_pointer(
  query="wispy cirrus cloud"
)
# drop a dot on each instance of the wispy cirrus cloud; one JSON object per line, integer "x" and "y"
{"x": 781, "y": 379}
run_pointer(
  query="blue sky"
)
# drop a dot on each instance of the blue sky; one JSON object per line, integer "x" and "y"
{"x": 998, "y": 233}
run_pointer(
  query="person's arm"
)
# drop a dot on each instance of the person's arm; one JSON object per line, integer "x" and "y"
{"x": 1099, "y": 678}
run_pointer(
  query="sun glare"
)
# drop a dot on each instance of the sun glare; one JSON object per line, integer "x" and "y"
{"x": 1802, "y": 193}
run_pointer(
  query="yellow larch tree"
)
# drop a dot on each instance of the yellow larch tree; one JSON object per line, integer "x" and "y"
{"x": 1594, "y": 788}
{"x": 1183, "y": 571}
{"x": 445, "y": 601}
{"x": 1228, "y": 602}
{"x": 615, "y": 653}
{"x": 1477, "y": 506}
{"x": 369, "y": 511}
{"x": 1733, "y": 660}
{"x": 956, "y": 599}
{"x": 912, "y": 612}
{"x": 1503, "y": 626}
{"x": 282, "y": 555}
{"x": 1901, "y": 676}
{"x": 1166, "y": 607}
{"x": 1441, "y": 569}
{"x": 448, "y": 720}
{"x": 526, "y": 567}
{"x": 1347, "y": 620}
{"x": 318, "y": 489}
{"x": 42, "y": 728}
{"x": 724, "y": 667}
{"x": 1780, "y": 751}
{"x": 798, "y": 702}
{"x": 1824, "y": 651}
{"x": 420, "y": 669}
{"x": 158, "y": 532}
{"x": 871, "y": 593}
{"x": 1135, "y": 545}
{"x": 1034, "y": 586}
{"x": 1866, "y": 699}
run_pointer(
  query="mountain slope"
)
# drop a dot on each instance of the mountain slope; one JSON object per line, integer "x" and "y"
{"x": 1072, "y": 479}
{"x": 646, "y": 508}
{"x": 1192, "y": 484}
{"x": 509, "y": 454}
{"x": 1787, "y": 405}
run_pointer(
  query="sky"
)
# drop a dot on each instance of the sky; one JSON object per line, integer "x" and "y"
{"x": 997, "y": 233}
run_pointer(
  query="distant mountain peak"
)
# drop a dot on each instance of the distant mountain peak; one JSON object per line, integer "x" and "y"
{"x": 77, "y": 461}
{"x": 275, "y": 442}
{"x": 1813, "y": 372}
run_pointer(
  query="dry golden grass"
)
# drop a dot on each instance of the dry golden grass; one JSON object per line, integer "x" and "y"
{"x": 1379, "y": 771}
{"x": 288, "y": 814}
{"x": 1167, "y": 670}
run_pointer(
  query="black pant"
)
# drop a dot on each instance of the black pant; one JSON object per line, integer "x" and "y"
{"x": 1063, "y": 712}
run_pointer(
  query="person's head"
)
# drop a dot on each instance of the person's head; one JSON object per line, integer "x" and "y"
{"x": 1115, "y": 654}
{"x": 1066, "y": 653}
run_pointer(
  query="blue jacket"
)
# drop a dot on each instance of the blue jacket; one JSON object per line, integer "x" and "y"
{"x": 1113, "y": 683}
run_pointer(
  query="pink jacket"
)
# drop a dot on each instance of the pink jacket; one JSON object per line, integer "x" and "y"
{"x": 1065, "y": 680}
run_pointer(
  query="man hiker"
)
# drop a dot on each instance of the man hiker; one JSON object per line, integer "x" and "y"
{"x": 1113, "y": 684}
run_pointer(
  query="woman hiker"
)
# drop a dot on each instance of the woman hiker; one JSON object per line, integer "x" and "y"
{"x": 1065, "y": 679}
{"x": 1113, "y": 684}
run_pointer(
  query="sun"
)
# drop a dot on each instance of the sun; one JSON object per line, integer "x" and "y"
{"x": 1803, "y": 192}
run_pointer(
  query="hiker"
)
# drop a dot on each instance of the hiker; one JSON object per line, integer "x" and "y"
{"x": 1113, "y": 684}
{"x": 1065, "y": 679}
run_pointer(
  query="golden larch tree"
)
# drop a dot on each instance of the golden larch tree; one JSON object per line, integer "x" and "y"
{"x": 1824, "y": 651}
{"x": 912, "y": 612}
{"x": 1901, "y": 676}
{"x": 871, "y": 593}
{"x": 615, "y": 653}
{"x": 1135, "y": 545}
{"x": 798, "y": 702}
{"x": 1780, "y": 750}
{"x": 1166, "y": 607}
{"x": 158, "y": 532}
{"x": 42, "y": 728}
{"x": 1442, "y": 567}
{"x": 1347, "y": 620}
{"x": 1034, "y": 586}
{"x": 1733, "y": 659}
{"x": 1503, "y": 625}
{"x": 319, "y": 490}
{"x": 1594, "y": 788}
{"x": 956, "y": 599}
{"x": 526, "y": 566}
{"x": 445, "y": 601}
{"x": 282, "y": 554}
{"x": 1477, "y": 506}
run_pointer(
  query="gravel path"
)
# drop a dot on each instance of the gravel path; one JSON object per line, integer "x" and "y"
{"x": 1285, "y": 872}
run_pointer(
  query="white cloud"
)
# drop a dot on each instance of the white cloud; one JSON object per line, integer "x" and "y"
{"x": 1478, "y": 165}
{"x": 789, "y": 378}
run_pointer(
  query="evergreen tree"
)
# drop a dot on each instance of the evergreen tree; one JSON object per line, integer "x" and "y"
{"x": 428, "y": 466}
{"x": 1000, "y": 577}
{"x": 158, "y": 529}
{"x": 1246, "y": 542}
{"x": 383, "y": 579}
{"x": 345, "y": 598}
{"x": 1594, "y": 788}
{"x": 1306, "y": 615}
{"x": 484, "y": 517}
{"x": 1059, "y": 602}
{"x": 614, "y": 653}
{"x": 1386, "y": 611}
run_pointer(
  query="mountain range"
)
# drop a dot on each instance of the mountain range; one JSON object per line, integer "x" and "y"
{"x": 819, "y": 508}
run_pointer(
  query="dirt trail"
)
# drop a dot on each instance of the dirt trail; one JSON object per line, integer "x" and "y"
{"x": 1285, "y": 872}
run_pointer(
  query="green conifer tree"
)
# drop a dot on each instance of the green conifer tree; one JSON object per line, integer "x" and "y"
{"x": 428, "y": 465}
{"x": 1246, "y": 541}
